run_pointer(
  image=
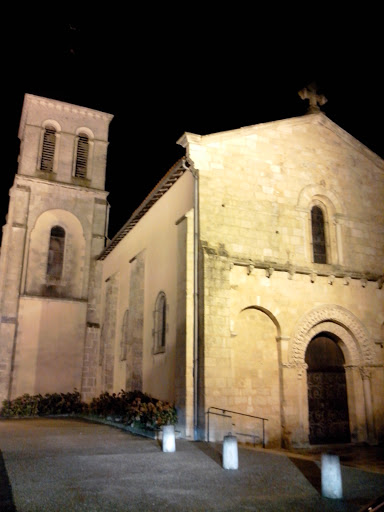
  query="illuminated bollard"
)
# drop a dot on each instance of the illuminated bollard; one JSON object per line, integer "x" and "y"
{"x": 230, "y": 453}
{"x": 331, "y": 485}
{"x": 169, "y": 444}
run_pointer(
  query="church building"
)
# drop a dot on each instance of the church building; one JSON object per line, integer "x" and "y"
{"x": 246, "y": 288}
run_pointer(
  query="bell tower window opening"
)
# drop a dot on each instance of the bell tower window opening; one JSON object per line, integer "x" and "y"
{"x": 318, "y": 235}
{"x": 56, "y": 253}
{"x": 82, "y": 156}
{"x": 48, "y": 150}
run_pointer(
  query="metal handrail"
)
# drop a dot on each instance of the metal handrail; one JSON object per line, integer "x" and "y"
{"x": 223, "y": 411}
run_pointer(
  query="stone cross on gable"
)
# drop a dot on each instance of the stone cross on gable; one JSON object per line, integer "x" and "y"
{"x": 310, "y": 93}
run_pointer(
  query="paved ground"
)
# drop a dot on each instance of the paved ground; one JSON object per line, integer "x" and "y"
{"x": 67, "y": 465}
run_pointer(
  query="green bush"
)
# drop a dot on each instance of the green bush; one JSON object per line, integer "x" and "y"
{"x": 61, "y": 403}
{"x": 132, "y": 408}
{"x": 25, "y": 405}
{"x": 47, "y": 405}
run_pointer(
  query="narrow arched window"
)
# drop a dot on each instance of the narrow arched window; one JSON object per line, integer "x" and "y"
{"x": 318, "y": 235}
{"x": 124, "y": 336}
{"x": 82, "y": 156}
{"x": 48, "y": 150}
{"x": 56, "y": 252}
{"x": 160, "y": 328}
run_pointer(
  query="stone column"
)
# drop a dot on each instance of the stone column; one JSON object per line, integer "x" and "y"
{"x": 302, "y": 391}
{"x": 296, "y": 427}
{"x": 366, "y": 377}
{"x": 282, "y": 344}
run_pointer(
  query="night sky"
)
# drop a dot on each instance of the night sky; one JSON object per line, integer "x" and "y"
{"x": 162, "y": 71}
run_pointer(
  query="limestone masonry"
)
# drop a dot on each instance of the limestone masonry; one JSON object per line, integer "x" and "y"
{"x": 248, "y": 285}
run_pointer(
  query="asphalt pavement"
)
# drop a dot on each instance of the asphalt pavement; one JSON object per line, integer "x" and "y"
{"x": 71, "y": 465}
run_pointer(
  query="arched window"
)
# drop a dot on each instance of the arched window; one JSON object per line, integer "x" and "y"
{"x": 48, "y": 150}
{"x": 82, "y": 156}
{"x": 124, "y": 336}
{"x": 56, "y": 253}
{"x": 160, "y": 319}
{"x": 318, "y": 235}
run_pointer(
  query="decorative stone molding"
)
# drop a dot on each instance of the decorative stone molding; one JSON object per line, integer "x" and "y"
{"x": 291, "y": 272}
{"x": 313, "y": 277}
{"x": 300, "y": 370}
{"x": 331, "y": 279}
{"x": 363, "y": 283}
{"x": 282, "y": 338}
{"x": 67, "y": 107}
{"x": 333, "y": 202}
{"x": 339, "y": 321}
{"x": 269, "y": 271}
{"x": 365, "y": 373}
{"x": 325, "y": 271}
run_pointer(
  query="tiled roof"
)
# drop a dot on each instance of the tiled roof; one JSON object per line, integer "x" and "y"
{"x": 160, "y": 189}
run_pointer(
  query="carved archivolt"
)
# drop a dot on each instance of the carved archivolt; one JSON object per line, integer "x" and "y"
{"x": 356, "y": 345}
{"x": 310, "y": 192}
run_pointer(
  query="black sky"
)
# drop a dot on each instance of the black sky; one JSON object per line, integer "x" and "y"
{"x": 162, "y": 71}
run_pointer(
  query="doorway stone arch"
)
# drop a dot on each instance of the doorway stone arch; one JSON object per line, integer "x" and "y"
{"x": 359, "y": 350}
{"x": 359, "y": 355}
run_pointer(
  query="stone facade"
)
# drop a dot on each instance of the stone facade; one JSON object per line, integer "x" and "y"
{"x": 212, "y": 295}
{"x": 265, "y": 298}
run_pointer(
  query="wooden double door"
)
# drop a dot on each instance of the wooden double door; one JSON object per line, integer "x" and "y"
{"x": 327, "y": 392}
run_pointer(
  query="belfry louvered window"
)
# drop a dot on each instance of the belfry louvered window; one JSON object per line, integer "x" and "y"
{"x": 318, "y": 235}
{"x": 82, "y": 156}
{"x": 48, "y": 151}
{"x": 56, "y": 252}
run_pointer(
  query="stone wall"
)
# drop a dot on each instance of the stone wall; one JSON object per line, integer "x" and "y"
{"x": 31, "y": 300}
{"x": 257, "y": 188}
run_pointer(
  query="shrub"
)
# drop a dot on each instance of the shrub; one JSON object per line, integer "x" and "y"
{"x": 25, "y": 405}
{"x": 61, "y": 403}
{"x": 47, "y": 405}
{"x": 133, "y": 408}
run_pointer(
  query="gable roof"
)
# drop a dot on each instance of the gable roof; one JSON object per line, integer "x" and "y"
{"x": 160, "y": 189}
{"x": 318, "y": 118}
{"x": 178, "y": 169}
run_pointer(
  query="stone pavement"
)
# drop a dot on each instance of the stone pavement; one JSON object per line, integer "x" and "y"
{"x": 69, "y": 465}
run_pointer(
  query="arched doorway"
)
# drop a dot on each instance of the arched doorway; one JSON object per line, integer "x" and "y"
{"x": 327, "y": 391}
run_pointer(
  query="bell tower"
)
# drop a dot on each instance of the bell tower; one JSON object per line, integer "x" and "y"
{"x": 56, "y": 227}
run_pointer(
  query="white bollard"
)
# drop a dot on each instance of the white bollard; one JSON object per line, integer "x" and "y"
{"x": 169, "y": 444}
{"x": 331, "y": 484}
{"x": 230, "y": 453}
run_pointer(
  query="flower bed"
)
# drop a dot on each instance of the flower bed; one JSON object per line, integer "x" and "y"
{"x": 132, "y": 408}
